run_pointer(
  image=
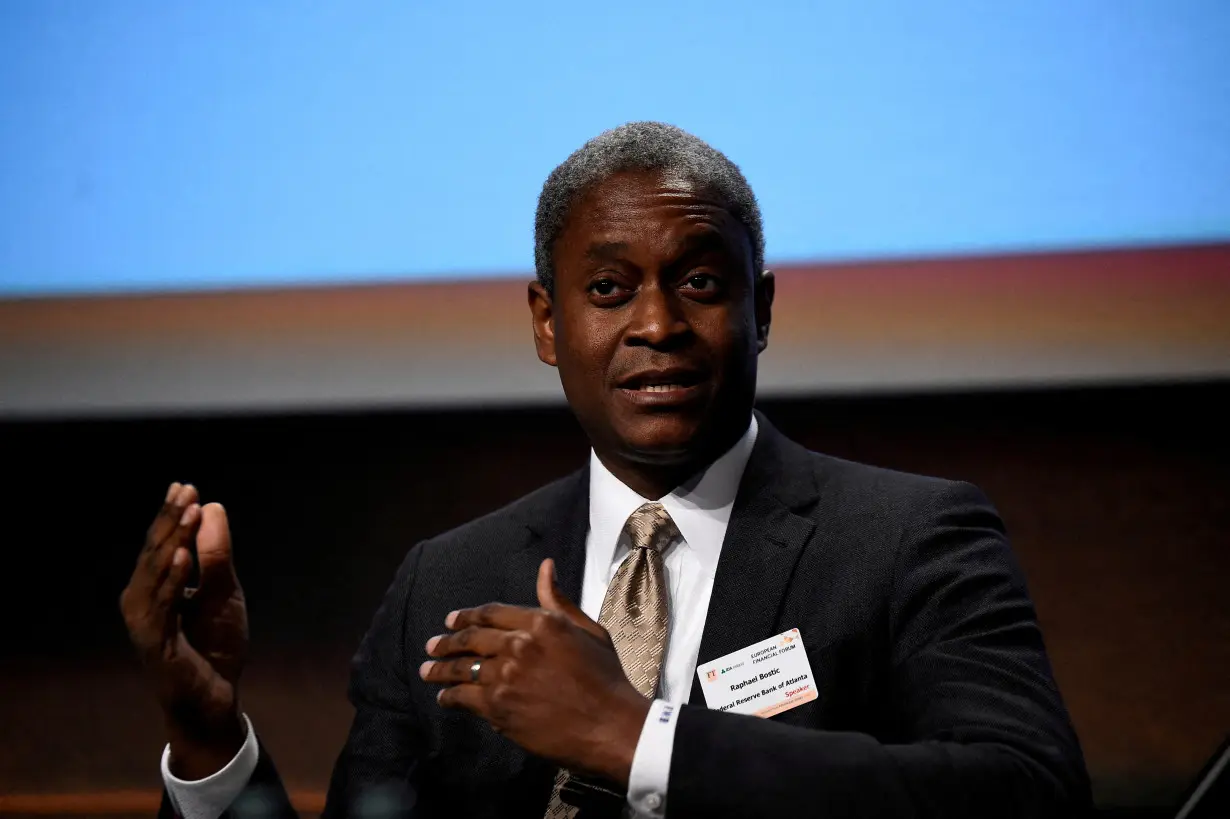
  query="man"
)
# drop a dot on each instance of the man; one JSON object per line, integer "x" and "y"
{"x": 919, "y": 684}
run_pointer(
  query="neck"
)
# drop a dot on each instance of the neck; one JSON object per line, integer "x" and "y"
{"x": 654, "y": 478}
{"x": 650, "y": 481}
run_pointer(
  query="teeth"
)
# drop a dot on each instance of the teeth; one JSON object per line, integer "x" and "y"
{"x": 659, "y": 387}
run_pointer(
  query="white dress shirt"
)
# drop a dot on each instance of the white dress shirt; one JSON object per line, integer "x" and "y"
{"x": 701, "y": 512}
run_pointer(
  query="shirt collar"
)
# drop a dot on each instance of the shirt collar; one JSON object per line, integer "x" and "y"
{"x": 700, "y": 507}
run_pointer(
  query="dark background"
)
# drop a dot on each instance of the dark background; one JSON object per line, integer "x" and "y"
{"x": 1116, "y": 500}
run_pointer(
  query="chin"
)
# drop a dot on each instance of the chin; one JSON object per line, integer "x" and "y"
{"x": 665, "y": 439}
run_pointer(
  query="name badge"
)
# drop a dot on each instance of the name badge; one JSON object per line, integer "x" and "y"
{"x": 763, "y": 679}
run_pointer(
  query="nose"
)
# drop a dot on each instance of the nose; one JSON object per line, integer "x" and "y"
{"x": 658, "y": 319}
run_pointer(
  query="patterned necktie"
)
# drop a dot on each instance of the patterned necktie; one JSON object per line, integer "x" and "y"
{"x": 634, "y": 613}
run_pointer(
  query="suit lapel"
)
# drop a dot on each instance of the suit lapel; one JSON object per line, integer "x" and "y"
{"x": 763, "y": 543}
{"x": 556, "y": 530}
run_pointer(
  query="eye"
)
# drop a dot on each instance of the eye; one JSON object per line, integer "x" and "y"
{"x": 605, "y": 291}
{"x": 702, "y": 284}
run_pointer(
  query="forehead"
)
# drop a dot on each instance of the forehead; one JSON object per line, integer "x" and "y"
{"x": 651, "y": 209}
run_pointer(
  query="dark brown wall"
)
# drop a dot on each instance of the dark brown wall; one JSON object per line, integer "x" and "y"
{"x": 1116, "y": 500}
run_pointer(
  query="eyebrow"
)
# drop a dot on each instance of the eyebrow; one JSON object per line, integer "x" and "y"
{"x": 695, "y": 245}
{"x": 606, "y": 251}
{"x": 703, "y": 242}
{"x": 691, "y": 245}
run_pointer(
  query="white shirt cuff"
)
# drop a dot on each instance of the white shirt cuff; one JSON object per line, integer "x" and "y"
{"x": 651, "y": 764}
{"x": 210, "y": 797}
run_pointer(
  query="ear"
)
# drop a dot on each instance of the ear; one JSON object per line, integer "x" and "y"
{"x": 542, "y": 311}
{"x": 766, "y": 286}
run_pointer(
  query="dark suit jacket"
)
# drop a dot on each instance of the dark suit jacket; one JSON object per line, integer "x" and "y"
{"x": 935, "y": 694}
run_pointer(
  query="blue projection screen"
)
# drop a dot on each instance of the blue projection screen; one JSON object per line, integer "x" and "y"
{"x": 183, "y": 146}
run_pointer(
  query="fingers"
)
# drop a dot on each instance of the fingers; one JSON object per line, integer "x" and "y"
{"x": 161, "y": 560}
{"x": 552, "y": 598}
{"x": 147, "y": 603}
{"x": 469, "y": 697}
{"x": 179, "y": 497}
{"x": 459, "y": 670}
{"x": 465, "y": 689}
{"x": 213, "y": 547}
{"x": 168, "y": 594}
{"x": 474, "y": 641}
{"x": 494, "y": 615}
{"x": 172, "y": 529}
{"x": 549, "y": 596}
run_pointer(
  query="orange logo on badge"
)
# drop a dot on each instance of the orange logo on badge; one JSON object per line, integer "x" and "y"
{"x": 711, "y": 674}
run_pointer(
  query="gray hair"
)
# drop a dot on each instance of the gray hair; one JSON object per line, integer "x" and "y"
{"x": 640, "y": 146}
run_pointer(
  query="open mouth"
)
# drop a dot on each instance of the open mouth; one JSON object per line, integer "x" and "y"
{"x": 664, "y": 381}
{"x": 663, "y": 386}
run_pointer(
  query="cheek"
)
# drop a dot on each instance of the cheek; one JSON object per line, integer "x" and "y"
{"x": 583, "y": 350}
{"x": 730, "y": 335}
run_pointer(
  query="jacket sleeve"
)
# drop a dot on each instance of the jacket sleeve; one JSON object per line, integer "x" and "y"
{"x": 263, "y": 795}
{"x": 248, "y": 786}
{"x": 373, "y": 775}
{"x": 979, "y": 726}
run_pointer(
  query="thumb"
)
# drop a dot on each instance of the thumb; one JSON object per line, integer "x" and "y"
{"x": 213, "y": 546}
{"x": 552, "y": 598}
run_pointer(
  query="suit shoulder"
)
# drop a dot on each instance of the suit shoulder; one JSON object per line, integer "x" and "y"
{"x": 879, "y": 514}
{"x": 505, "y": 526}
{"x": 861, "y": 485}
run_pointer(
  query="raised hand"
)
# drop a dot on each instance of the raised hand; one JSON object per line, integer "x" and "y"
{"x": 192, "y": 642}
{"x": 547, "y": 678}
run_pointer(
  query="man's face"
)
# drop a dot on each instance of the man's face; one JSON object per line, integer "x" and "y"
{"x": 656, "y": 320}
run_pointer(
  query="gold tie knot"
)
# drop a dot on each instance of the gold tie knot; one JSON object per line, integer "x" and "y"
{"x": 651, "y": 527}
